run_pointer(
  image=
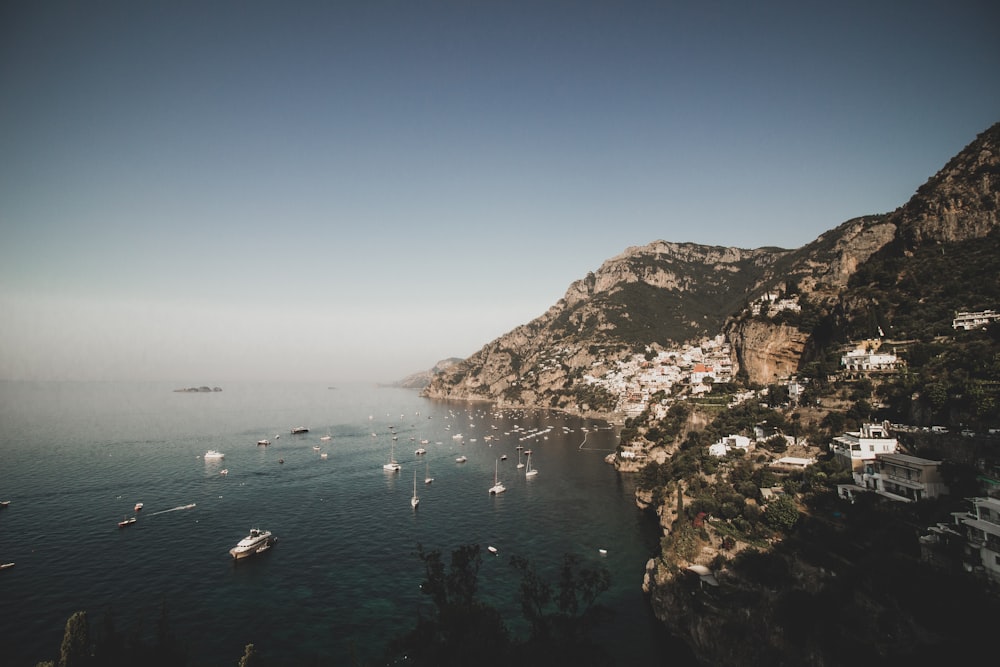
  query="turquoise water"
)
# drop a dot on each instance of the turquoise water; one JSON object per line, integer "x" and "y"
{"x": 342, "y": 579}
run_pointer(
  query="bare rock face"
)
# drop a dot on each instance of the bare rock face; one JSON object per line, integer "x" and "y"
{"x": 959, "y": 202}
{"x": 767, "y": 351}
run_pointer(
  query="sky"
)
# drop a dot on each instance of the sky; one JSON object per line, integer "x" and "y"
{"x": 222, "y": 191}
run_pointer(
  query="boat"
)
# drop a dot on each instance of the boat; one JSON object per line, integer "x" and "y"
{"x": 316, "y": 448}
{"x": 211, "y": 455}
{"x": 492, "y": 549}
{"x": 4, "y": 503}
{"x": 420, "y": 451}
{"x": 497, "y": 487}
{"x": 519, "y": 464}
{"x": 414, "y": 501}
{"x": 224, "y": 471}
{"x": 326, "y": 437}
{"x": 128, "y": 521}
{"x": 461, "y": 459}
{"x": 323, "y": 455}
{"x": 503, "y": 457}
{"x": 530, "y": 472}
{"x": 263, "y": 443}
{"x": 299, "y": 429}
{"x": 393, "y": 464}
{"x": 256, "y": 542}
{"x": 4, "y": 566}
{"x": 427, "y": 474}
{"x": 138, "y": 506}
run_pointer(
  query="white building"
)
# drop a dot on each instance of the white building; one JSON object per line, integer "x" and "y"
{"x": 728, "y": 444}
{"x": 863, "y": 359}
{"x": 974, "y": 320}
{"x": 860, "y": 447}
{"x": 902, "y": 477}
{"x": 982, "y": 531}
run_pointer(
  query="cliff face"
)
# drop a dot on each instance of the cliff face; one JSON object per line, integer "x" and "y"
{"x": 665, "y": 294}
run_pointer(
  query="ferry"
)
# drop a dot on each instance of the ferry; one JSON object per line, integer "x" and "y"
{"x": 256, "y": 542}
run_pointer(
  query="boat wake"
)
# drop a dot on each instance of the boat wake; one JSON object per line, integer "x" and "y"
{"x": 174, "y": 509}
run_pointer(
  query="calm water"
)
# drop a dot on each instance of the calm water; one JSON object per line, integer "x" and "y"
{"x": 342, "y": 579}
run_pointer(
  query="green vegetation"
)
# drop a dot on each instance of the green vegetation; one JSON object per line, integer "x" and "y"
{"x": 460, "y": 629}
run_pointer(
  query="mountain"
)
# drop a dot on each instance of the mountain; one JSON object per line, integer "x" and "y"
{"x": 421, "y": 379}
{"x": 665, "y": 294}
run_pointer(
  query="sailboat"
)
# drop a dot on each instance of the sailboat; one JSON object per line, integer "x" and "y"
{"x": 427, "y": 475}
{"x": 519, "y": 464}
{"x": 392, "y": 465}
{"x": 530, "y": 472}
{"x": 414, "y": 501}
{"x": 497, "y": 487}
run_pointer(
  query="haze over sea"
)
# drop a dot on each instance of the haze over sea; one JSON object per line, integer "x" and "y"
{"x": 343, "y": 578}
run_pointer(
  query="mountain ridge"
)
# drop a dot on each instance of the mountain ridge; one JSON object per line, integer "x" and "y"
{"x": 667, "y": 293}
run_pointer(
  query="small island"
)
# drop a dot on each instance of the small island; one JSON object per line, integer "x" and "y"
{"x": 198, "y": 390}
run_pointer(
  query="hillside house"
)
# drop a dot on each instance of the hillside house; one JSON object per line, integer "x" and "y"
{"x": 857, "y": 448}
{"x": 982, "y": 532}
{"x": 968, "y": 321}
{"x": 866, "y": 360}
{"x": 728, "y": 444}
{"x": 902, "y": 477}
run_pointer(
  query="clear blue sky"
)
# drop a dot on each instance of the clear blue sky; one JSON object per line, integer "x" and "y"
{"x": 218, "y": 191}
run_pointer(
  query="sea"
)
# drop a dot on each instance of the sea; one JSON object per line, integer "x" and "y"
{"x": 343, "y": 578}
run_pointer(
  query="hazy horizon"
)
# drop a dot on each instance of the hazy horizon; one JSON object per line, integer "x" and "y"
{"x": 204, "y": 193}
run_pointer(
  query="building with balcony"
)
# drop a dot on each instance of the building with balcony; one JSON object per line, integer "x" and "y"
{"x": 902, "y": 477}
{"x": 982, "y": 533}
{"x": 856, "y": 448}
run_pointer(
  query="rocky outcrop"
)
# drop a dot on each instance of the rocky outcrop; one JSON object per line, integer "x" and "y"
{"x": 959, "y": 202}
{"x": 766, "y": 351}
{"x": 421, "y": 379}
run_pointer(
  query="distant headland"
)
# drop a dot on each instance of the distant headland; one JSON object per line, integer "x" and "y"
{"x": 199, "y": 390}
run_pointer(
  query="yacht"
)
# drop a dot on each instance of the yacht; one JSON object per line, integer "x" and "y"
{"x": 211, "y": 455}
{"x": 263, "y": 443}
{"x": 497, "y": 487}
{"x": 128, "y": 521}
{"x": 299, "y": 429}
{"x": 256, "y": 542}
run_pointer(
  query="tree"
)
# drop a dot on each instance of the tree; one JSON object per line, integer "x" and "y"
{"x": 75, "y": 649}
{"x": 781, "y": 513}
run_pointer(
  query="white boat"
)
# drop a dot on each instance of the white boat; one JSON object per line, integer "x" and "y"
{"x": 299, "y": 429}
{"x": 492, "y": 549}
{"x": 256, "y": 542}
{"x": 393, "y": 464}
{"x": 138, "y": 506}
{"x": 530, "y": 472}
{"x": 326, "y": 438}
{"x": 126, "y": 522}
{"x": 323, "y": 455}
{"x": 212, "y": 455}
{"x": 420, "y": 451}
{"x": 497, "y": 487}
{"x": 414, "y": 501}
{"x": 4, "y": 566}
{"x": 461, "y": 459}
{"x": 316, "y": 448}
{"x": 224, "y": 471}
{"x": 519, "y": 464}
{"x": 427, "y": 474}
{"x": 263, "y": 443}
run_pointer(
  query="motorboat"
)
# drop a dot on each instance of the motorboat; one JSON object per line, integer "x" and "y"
{"x": 256, "y": 542}
{"x": 326, "y": 438}
{"x": 461, "y": 459}
{"x": 299, "y": 429}
{"x": 316, "y": 448}
{"x": 212, "y": 455}
{"x": 263, "y": 443}
{"x": 224, "y": 471}
{"x": 420, "y": 451}
{"x": 138, "y": 506}
{"x": 4, "y": 566}
{"x": 128, "y": 521}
